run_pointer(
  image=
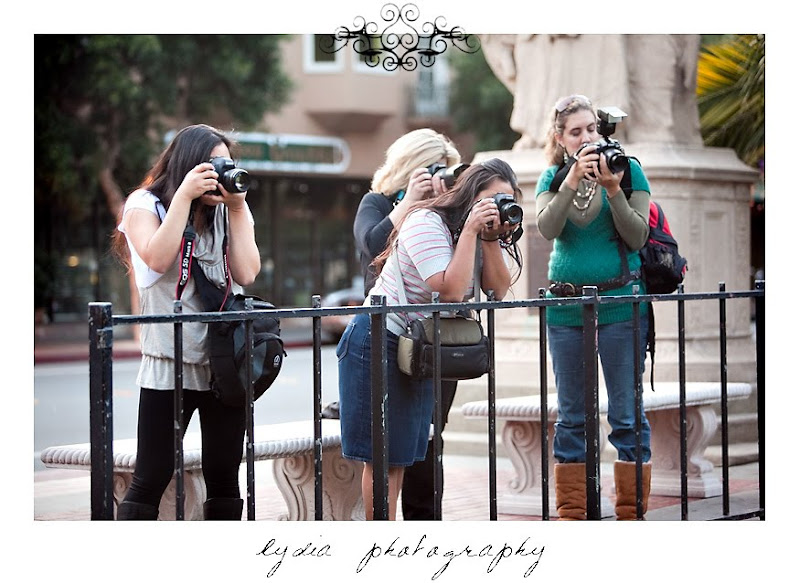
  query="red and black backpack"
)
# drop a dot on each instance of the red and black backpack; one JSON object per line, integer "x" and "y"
{"x": 663, "y": 267}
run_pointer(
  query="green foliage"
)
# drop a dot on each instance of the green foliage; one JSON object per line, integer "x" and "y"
{"x": 730, "y": 90}
{"x": 480, "y": 103}
{"x": 102, "y": 104}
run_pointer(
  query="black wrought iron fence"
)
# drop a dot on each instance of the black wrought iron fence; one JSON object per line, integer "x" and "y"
{"x": 102, "y": 323}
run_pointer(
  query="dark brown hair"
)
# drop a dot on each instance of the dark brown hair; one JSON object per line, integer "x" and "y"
{"x": 190, "y": 146}
{"x": 454, "y": 205}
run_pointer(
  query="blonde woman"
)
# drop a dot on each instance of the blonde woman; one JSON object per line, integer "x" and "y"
{"x": 402, "y": 180}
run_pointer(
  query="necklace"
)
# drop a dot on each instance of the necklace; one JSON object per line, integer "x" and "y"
{"x": 587, "y": 196}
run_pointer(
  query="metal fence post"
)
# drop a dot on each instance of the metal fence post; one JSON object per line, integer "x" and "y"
{"x": 249, "y": 386}
{"x": 316, "y": 302}
{"x": 438, "y": 476}
{"x": 760, "y": 351}
{"x": 177, "y": 437}
{"x": 543, "y": 408}
{"x": 101, "y": 434}
{"x": 380, "y": 394}
{"x": 492, "y": 397}
{"x": 592, "y": 413}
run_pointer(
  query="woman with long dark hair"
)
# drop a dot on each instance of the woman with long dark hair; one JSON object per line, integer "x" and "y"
{"x": 429, "y": 260}
{"x": 183, "y": 187}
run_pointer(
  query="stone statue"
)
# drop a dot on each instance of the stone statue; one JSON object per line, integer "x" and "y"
{"x": 651, "y": 77}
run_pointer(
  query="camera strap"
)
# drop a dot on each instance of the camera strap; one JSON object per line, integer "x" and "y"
{"x": 187, "y": 256}
{"x": 561, "y": 174}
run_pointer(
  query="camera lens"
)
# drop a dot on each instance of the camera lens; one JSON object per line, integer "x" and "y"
{"x": 616, "y": 160}
{"x": 237, "y": 180}
{"x": 511, "y": 212}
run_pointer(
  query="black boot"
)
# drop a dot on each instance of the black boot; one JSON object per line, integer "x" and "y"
{"x": 136, "y": 511}
{"x": 223, "y": 509}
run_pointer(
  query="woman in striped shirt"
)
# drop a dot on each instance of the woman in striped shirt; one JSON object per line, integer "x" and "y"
{"x": 429, "y": 261}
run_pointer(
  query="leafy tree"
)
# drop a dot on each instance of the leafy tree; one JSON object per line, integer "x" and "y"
{"x": 730, "y": 89}
{"x": 480, "y": 103}
{"x": 103, "y": 103}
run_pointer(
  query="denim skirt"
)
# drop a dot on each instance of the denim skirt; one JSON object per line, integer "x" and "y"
{"x": 409, "y": 407}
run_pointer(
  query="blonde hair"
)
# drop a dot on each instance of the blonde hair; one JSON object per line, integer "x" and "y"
{"x": 416, "y": 149}
{"x": 553, "y": 151}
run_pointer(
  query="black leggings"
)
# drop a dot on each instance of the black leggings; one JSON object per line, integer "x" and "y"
{"x": 222, "y": 431}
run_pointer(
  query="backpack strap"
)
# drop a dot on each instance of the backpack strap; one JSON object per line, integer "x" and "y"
{"x": 561, "y": 174}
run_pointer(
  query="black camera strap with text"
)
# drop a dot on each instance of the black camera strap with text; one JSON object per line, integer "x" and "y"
{"x": 187, "y": 257}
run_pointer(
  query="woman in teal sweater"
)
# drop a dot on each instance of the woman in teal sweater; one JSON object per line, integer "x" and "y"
{"x": 593, "y": 225}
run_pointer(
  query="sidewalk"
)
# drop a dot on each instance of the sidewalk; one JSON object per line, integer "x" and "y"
{"x": 63, "y": 495}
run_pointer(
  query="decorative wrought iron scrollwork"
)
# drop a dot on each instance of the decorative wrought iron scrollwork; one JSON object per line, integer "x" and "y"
{"x": 399, "y": 44}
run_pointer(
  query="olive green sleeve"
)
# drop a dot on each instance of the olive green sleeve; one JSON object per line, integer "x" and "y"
{"x": 631, "y": 217}
{"x": 551, "y": 211}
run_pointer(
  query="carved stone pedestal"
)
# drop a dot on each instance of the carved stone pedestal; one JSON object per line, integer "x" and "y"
{"x": 701, "y": 425}
{"x": 341, "y": 495}
{"x": 523, "y": 440}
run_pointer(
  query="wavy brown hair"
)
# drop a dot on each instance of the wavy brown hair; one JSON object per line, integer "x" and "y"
{"x": 454, "y": 205}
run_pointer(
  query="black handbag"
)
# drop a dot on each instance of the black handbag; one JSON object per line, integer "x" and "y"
{"x": 464, "y": 348}
{"x": 226, "y": 342}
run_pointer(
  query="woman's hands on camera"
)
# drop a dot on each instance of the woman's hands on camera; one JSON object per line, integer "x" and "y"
{"x": 591, "y": 166}
{"x": 421, "y": 185}
{"x": 607, "y": 179}
{"x": 484, "y": 220}
{"x": 201, "y": 182}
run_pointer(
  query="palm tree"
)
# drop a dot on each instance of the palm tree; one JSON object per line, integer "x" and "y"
{"x": 730, "y": 92}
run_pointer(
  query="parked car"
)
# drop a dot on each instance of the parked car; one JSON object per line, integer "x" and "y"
{"x": 333, "y": 326}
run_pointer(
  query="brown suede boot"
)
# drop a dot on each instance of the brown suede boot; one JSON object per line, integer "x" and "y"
{"x": 625, "y": 482}
{"x": 571, "y": 491}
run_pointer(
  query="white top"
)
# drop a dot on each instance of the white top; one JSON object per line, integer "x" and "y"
{"x": 157, "y": 294}
{"x": 145, "y": 200}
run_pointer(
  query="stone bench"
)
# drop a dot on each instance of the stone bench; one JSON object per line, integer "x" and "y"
{"x": 290, "y": 445}
{"x": 521, "y": 436}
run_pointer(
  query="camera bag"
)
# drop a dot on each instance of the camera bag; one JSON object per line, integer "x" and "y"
{"x": 226, "y": 340}
{"x": 464, "y": 348}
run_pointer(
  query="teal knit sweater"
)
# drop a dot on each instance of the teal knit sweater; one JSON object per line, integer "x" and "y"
{"x": 589, "y": 255}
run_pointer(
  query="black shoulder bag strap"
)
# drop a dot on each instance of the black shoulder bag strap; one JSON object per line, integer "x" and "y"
{"x": 561, "y": 174}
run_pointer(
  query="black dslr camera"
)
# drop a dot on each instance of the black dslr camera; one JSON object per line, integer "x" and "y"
{"x": 231, "y": 178}
{"x": 509, "y": 210}
{"x": 607, "y": 120}
{"x": 448, "y": 175}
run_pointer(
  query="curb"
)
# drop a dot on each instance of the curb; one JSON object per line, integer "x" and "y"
{"x": 73, "y": 353}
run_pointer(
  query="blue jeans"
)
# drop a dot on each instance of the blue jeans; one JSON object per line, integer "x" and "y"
{"x": 615, "y": 347}
{"x": 409, "y": 407}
